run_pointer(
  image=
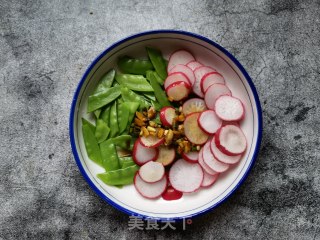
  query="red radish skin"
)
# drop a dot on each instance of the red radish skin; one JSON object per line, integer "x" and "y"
{"x": 199, "y": 73}
{"x": 178, "y": 91}
{"x": 171, "y": 194}
{"x": 193, "y": 65}
{"x": 151, "y": 141}
{"x": 185, "y": 70}
{"x": 214, "y": 92}
{"x": 193, "y": 105}
{"x": 229, "y": 108}
{"x": 167, "y": 114}
{"x": 210, "y": 79}
{"x": 192, "y": 130}
{"x": 230, "y": 140}
{"x": 151, "y": 172}
{"x": 209, "y": 180}
{"x": 204, "y": 166}
{"x": 150, "y": 190}
{"x": 185, "y": 177}
{"x": 209, "y": 122}
{"x": 142, "y": 154}
{"x": 211, "y": 161}
{"x": 220, "y": 156}
{"x": 166, "y": 155}
{"x": 179, "y": 57}
{"x": 175, "y": 77}
{"x": 191, "y": 157}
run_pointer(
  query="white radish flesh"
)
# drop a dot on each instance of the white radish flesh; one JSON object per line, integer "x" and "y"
{"x": 179, "y": 57}
{"x": 142, "y": 154}
{"x": 221, "y": 156}
{"x": 167, "y": 114}
{"x": 193, "y": 105}
{"x": 151, "y": 141}
{"x": 151, "y": 171}
{"x": 231, "y": 140}
{"x": 166, "y": 155}
{"x": 204, "y": 165}
{"x": 191, "y": 157}
{"x": 210, "y": 79}
{"x": 150, "y": 190}
{"x": 193, "y": 65}
{"x": 209, "y": 122}
{"x": 184, "y": 69}
{"x": 185, "y": 177}
{"x": 199, "y": 73}
{"x": 214, "y": 92}
{"x": 211, "y": 161}
{"x": 229, "y": 108}
{"x": 209, "y": 180}
{"x": 192, "y": 130}
{"x": 175, "y": 77}
{"x": 178, "y": 91}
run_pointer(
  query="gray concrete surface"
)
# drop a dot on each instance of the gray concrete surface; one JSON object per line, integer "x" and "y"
{"x": 45, "y": 47}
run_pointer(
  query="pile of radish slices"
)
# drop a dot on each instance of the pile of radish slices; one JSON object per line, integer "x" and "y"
{"x": 212, "y": 117}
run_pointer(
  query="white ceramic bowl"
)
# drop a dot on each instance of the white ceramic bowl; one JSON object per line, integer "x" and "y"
{"x": 207, "y": 52}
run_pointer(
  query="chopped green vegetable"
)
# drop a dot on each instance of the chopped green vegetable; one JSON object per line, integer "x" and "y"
{"x": 103, "y": 97}
{"x": 119, "y": 177}
{"x": 102, "y": 130}
{"x": 134, "y": 66}
{"x": 106, "y": 81}
{"x": 134, "y": 82}
{"x": 158, "y": 62}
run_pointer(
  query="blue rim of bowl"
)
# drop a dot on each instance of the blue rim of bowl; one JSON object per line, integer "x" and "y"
{"x": 73, "y": 107}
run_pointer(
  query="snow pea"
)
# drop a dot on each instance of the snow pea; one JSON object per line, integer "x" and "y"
{"x": 130, "y": 96}
{"x": 110, "y": 160}
{"x": 158, "y": 92}
{"x": 97, "y": 113}
{"x": 125, "y": 162}
{"x": 122, "y": 141}
{"x": 155, "y": 75}
{"x": 158, "y": 62}
{"x": 134, "y": 82}
{"x": 106, "y": 81}
{"x": 156, "y": 105}
{"x": 90, "y": 142}
{"x": 114, "y": 127}
{"x": 134, "y": 66}
{"x": 150, "y": 96}
{"x": 105, "y": 114}
{"x": 133, "y": 107}
{"x": 103, "y": 97}
{"x": 119, "y": 177}
{"x": 123, "y": 116}
{"x": 102, "y": 130}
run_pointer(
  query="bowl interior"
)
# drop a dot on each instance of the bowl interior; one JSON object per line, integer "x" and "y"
{"x": 127, "y": 199}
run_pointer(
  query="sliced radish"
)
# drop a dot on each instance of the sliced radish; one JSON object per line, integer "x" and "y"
{"x": 191, "y": 157}
{"x": 214, "y": 92}
{"x": 179, "y": 57}
{"x": 178, "y": 91}
{"x": 192, "y": 130}
{"x": 142, "y": 154}
{"x": 204, "y": 166}
{"x": 221, "y": 156}
{"x": 166, "y": 155}
{"x": 171, "y": 194}
{"x": 199, "y": 73}
{"x": 210, "y": 79}
{"x": 211, "y": 161}
{"x": 229, "y": 108}
{"x": 151, "y": 172}
{"x": 209, "y": 121}
{"x": 236, "y": 123}
{"x": 193, "y": 105}
{"x": 209, "y": 179}
{"x": 193, "y": 65}
{"x": 175, "y": 77}
{"x": 167, "y": 114}
{"x": 150, "y": 190}
{"x": 231, "y": 140}
{"x": 151, "y": 141}
{"x": 184, "y": 69}
{"x": 185, "y": 177}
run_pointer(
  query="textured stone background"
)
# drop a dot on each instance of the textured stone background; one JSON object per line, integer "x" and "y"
{"x": 45, "y": 47}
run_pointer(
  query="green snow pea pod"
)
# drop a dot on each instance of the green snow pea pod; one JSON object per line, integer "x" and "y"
{"x": 105, "y": 114}
{"x": 122, "y": 141}
{"x": 128, "y": 164}
{"x": 150, "y": 96}
{"x": 134, "y": 66}
{"x": 110, "y": 160}
{"x": 97, "y": 113}
{"x": 158, "y": 62}
{"x": 133, "y": 107}
{"x": 90, "y": 142}
{"x": 156, "y": 105}
{"x": 130, "y": 96}
{"x": 158, "y": 92}
{"x": 106, "y": 81}
{"x": 103, "y": 97}
{"x": 114, "y": 127}
{"x": 155, "y": 75}
{"x": 125, "y": 161}
{"x": 123, "y": 116}
{"x": 119, "y": 177}
{"x": 134, "y": 82}
{"x": 102, "y": 130}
